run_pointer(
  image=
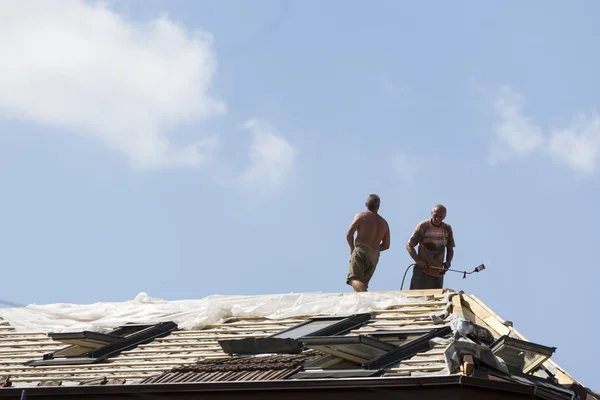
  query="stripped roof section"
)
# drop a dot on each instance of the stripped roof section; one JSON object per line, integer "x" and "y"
{"x": 195, "y": 355}
{"x": 186, "y": 347}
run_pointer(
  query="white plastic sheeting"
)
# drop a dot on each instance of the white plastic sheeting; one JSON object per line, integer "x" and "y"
{"x": 194, "y": 314}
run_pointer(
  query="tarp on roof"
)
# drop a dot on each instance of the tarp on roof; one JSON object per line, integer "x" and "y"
{"x": 194, "y": 314}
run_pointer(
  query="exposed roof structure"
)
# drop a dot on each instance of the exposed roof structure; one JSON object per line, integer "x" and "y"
{"x": 440, "y": 337}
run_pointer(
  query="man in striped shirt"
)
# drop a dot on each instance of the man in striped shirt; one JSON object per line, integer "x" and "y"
{"x": 434, "y": 238}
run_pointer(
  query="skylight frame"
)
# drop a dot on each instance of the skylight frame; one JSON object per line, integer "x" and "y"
{"x": 81, "y": 343}
{"x": 338, "y": 346}
{"x": 287, "y": 344}
{"x": 344, "y": 325}
{"x": 394, "y": 354}
{"x": 507, "y": 342}
{"x": 266, "y": 345}
{"x": 409, "y": 349}
{"x": 94, "y": 356}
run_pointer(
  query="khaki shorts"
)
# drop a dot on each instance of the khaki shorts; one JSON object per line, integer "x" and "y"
{"x": 363, "y": 262}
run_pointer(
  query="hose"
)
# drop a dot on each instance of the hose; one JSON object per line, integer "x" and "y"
{"x": 405, "y": 272}
{"x": 481, "y": 267}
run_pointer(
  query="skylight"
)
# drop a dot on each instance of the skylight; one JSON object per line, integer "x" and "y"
{"x": 521, "y": 356}
{"x": 287, "y": 341}
{"x": 81, "y": 342}
{"x": 359, "y": 349}
{"x": 92, "y": 347}
{"x": 247, "y": 346}
{"x": 372, "y": 351}
{"x": 324, "y": 326}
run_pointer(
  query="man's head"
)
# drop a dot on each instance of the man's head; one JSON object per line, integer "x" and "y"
{"x": 373, "y": 202}
{"x": 438, "y": 214}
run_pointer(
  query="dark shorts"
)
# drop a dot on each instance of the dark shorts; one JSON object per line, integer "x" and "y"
{"x": 420, "y": 280}
{"x": 363, "y": 262}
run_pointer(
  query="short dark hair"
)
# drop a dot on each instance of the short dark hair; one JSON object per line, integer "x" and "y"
{"x": 439, "y": 207}
{"x": 373, "y": 202}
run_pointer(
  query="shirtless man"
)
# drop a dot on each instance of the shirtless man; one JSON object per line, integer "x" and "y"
{"x": 373, "y": 237}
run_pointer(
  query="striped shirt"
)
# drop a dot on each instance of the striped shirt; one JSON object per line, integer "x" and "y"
{"x": 432, "y": 241}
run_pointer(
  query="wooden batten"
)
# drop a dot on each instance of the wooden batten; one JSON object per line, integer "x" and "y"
{"x": 418, "y": 368}
{"x": 499, "y": 327}
{"x": 457, "y": 304}
{"x": 288, "y": 322}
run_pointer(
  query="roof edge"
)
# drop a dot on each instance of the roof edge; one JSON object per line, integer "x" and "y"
{"x": 501, "y": 327}
{"x": 256, "y": 386}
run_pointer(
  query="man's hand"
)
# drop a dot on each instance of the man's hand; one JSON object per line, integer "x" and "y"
{"x": 421, "y": 264}
{"x": 442, "y": 272}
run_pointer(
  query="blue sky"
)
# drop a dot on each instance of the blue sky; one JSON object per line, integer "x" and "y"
{"x": 193, "y": 148}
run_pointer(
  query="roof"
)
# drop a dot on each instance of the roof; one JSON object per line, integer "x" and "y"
{"x": 197, "y": 355}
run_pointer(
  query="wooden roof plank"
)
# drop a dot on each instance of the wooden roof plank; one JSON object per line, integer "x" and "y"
{"x": 78, "y": 378}
{"x": 481, "y": 311}
{"x": 99, "y": 367}
{"x": 21, "y": 350}
{"x": 86, "y": 372}
{"x": 19, "y": 333}
{"x": 424, "y": 368}
{"x": 156, "y": 351}
{"x": 260, "y": 323}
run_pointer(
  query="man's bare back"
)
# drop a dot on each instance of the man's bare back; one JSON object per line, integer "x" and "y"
{"x": 372, "y": 229}
{"x": 372, "y": 237}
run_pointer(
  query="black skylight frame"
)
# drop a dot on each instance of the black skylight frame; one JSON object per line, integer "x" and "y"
{"x": 146, "y": 334}
{"x": 249, "y": 346}
{"x": 400, "y": 334}
{"x": 394, "y": 353}
{"x": 292, "y": 345}
{"x": 409, "y": 349}
{"x": 344, "y": 325}
{"x": 68, "y": 337}
{"x": 129, "y": 328}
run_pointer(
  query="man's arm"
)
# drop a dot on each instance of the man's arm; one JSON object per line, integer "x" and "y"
{"x": 350, "y": 234}
{"x": 412, "y": 252}
{"x": 410, "y": 246}
{"x": 450, "y": 248}
{"x": 385, "y": 242}
{"x": 449, "y": 256}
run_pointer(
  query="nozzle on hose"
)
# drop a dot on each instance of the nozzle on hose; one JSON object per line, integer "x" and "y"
{"x": 479, "y": 268}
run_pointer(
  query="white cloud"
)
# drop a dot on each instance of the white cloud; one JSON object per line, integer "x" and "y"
{"x": 80, "y": 66}
{"x": 271, "y": 158}
{"x": 404, "y": 167}
{"x": 516, "y": 134}
{"x": 579, "y": 145}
